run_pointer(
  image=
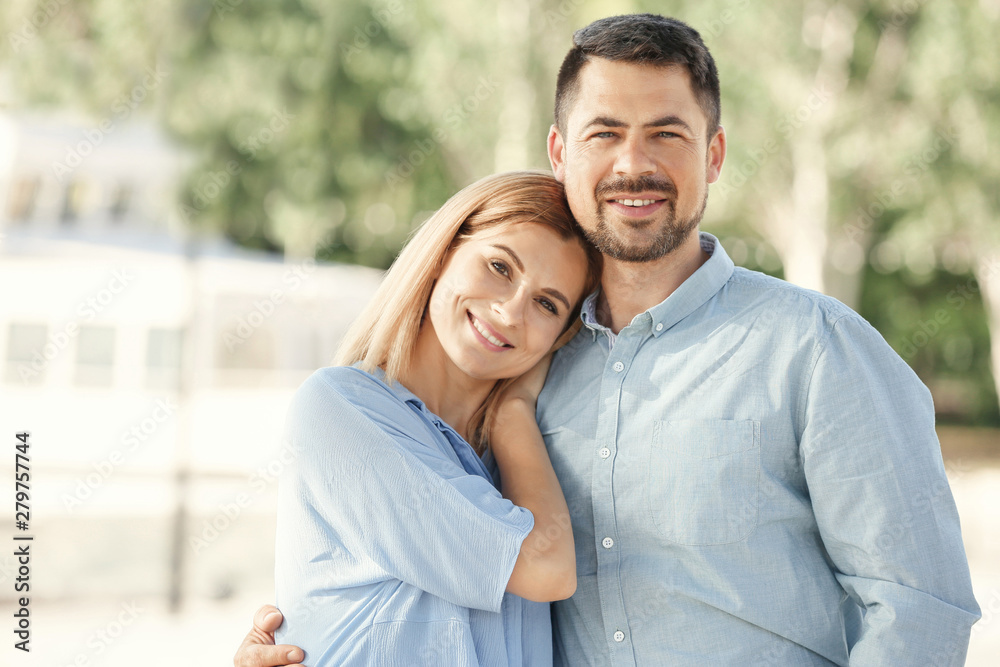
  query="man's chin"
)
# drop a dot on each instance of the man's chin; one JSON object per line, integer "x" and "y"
{"x": 619, "y": 247}
{"x": 637, "y": 253}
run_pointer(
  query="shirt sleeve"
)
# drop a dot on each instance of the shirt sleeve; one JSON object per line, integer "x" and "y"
{"x": 882, "y": 502}
{"x": 401, "y": 504}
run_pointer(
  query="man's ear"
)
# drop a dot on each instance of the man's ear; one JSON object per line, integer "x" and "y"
{"x": 557, "y": 153}
{"x": 716, "y": 155}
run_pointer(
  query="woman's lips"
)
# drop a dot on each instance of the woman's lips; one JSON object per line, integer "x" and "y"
{"x": 489, "y": 331}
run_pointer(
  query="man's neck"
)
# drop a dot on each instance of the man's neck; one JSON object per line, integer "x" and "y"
{"x": 630, "y": 288}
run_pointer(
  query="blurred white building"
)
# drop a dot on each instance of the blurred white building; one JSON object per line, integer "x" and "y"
{"x": 152, "y": 368}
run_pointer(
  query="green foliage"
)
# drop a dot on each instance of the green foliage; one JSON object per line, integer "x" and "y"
{"x": 310, "y": 103}
{"x": 935, "y": 321}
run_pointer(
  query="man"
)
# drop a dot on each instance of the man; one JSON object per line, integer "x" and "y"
{"x": 752, "y": 473}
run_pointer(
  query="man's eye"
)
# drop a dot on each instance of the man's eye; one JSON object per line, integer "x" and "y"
{"x": 604, "y": 135}
{"x": 500, "y": 267}
{"x": 669, "y": 134}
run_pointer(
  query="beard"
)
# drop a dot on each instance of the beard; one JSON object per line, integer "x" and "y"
{"x": 672, "y": 231}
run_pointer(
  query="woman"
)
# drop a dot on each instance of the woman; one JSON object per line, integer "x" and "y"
{"x": 395, "y": 545}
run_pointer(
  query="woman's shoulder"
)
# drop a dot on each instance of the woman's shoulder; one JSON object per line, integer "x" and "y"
{"x": 346, "y": 385}
{"x": 338, "y": 391}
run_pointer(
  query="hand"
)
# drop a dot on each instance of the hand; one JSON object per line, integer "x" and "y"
{"x": 529, "y": 385}
{"x": 258, "y": 649}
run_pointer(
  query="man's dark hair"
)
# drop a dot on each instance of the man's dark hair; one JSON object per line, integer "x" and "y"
{"x": 647, "y": 39}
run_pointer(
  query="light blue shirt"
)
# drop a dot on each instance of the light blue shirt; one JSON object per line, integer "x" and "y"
{"x": 753, "y": 478}
{"x": 394, "y": 546}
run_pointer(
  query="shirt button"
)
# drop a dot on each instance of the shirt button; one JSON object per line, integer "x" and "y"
{"x": 605, "y": 452}
{"x": 659, "y": 327}
{"x": 619, "y": 367}
{"x": 619, "y": 636}
{"x": 608, "y": 543}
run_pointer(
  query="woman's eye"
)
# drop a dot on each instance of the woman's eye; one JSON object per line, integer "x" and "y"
{"x": 500, "y": 267}
{"x": 549, "y": 306}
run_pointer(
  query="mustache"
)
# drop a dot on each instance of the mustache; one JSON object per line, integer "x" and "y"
{"x": 636, "y": 185}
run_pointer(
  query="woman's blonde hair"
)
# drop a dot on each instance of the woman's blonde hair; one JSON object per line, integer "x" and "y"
{"x": 385, "y": 333}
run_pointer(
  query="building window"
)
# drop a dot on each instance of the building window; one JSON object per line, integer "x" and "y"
{"x": 27, "y": 355}
{"x": 95, "y": 352}
{"x": 21, "y": 202}
{"x": 163, "y": 359}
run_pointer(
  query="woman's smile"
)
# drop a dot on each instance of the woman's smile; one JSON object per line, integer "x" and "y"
{"x": 489, "y": 336}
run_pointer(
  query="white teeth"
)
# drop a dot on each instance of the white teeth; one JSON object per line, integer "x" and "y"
{"x": 486, "y": 334}
{"x": 635, "y": 202}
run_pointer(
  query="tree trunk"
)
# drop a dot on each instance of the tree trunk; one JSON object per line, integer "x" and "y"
{"x": 802, "y": 241}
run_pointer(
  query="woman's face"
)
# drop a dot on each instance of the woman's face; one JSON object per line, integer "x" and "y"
{"x": 504, "y": 296}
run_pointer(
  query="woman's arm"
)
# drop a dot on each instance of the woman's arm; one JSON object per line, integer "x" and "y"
{"x": 371, "y": 479}
{"x": 545, "y": 569}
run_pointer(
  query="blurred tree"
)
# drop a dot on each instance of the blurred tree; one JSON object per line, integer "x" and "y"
{"x": 300, "y": 109}
{"x": 955, "y": 218}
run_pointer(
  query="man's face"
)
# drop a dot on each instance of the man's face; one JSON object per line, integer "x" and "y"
{"x": 635, "y": 158}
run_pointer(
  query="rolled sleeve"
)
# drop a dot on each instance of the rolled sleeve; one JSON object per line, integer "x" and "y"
{"x": 882, "y": 502}
{"x": 402, "y": 504}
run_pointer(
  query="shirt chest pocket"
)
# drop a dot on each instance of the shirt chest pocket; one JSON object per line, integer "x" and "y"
{"x": 703, "y": 479}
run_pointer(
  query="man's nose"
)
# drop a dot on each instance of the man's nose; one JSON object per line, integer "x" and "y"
{"x": 633, "y": 158}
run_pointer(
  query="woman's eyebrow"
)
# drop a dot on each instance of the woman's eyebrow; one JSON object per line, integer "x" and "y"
{"x": 513, "y": 255}
{"x": 556, "y": 294}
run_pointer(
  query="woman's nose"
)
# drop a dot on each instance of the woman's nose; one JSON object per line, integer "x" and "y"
{"x": 510, "y": 307}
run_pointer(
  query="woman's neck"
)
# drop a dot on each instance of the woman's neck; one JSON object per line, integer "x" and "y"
{"x": 448, "y": 392}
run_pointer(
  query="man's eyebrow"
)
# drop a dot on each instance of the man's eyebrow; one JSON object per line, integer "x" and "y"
{"x": 665, "y": 121}
{"x": 605, "y": 121}
{"x": 554, "y": 293}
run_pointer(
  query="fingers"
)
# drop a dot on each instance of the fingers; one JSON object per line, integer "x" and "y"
{"x": 267, "y": 619}
{"x": 258, "y": 650}
{"x": 259, "y": 655}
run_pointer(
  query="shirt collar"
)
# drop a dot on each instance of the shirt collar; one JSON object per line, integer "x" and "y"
{"x": 693, "y": 293}
{"x": 401, "y": 392}
{"x": 411, "y": 399}
{"x": 464, "y": 451}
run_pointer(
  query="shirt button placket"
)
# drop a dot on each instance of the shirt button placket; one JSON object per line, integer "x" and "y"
{"x": 604, "y": 501}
